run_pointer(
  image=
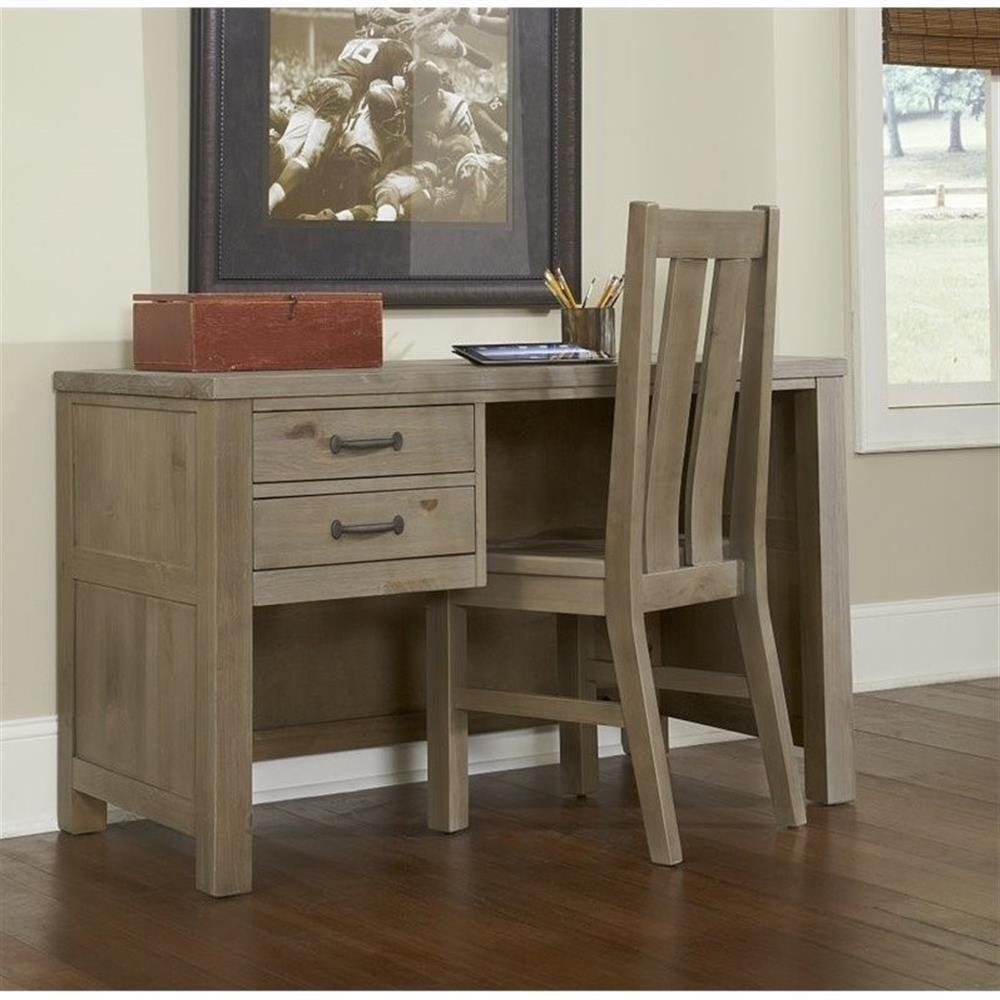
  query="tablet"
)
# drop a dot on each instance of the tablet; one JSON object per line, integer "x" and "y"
{"x": 528, "y": 354}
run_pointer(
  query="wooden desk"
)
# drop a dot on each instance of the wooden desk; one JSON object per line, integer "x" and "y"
{"x": 208, "y": 617}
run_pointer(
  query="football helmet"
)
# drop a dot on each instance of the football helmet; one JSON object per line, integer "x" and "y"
{"x": 387, "y": 109}
{"x": 425, "y": 80}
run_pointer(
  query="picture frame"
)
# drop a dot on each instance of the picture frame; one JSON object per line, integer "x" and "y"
{"x": 235, "y": 245}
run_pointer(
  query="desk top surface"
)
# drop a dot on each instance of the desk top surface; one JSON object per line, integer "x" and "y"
{"x": 397, "y": 377}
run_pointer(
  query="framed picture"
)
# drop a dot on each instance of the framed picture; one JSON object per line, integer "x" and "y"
{"x": 430, "y": 154}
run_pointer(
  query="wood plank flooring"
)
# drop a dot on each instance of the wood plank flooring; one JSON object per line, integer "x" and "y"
{"x": 899, "y": 890}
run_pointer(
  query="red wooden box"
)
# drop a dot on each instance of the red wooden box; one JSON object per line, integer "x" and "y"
{"x": 257, "y": 331}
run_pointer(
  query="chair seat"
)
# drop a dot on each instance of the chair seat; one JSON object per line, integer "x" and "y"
{"x": 575, "y": 552}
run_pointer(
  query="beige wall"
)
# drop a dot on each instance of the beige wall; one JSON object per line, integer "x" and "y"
{"x": 94, "y": 208}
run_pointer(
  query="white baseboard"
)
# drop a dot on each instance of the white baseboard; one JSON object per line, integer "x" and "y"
{"x": 927, "y": 641}
{"x": 27, "y": 776}
{"x": 28, "y": 767}
{"x": 349, "y": 770}
{"x": 895, "y": 644}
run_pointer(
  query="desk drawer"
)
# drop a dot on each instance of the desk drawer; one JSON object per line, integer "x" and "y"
{"x": 344, "y": 444}
{"x": 363, "y": 527}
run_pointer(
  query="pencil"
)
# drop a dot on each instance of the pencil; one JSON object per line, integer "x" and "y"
{"x": 586, "y": 297}
{"x": 567, "y": 296}
{"x": 556, "y": 289}
{"x": 602, "y": 301}
{"x": 565, "y": 287}
{"x": 559, "y": 296}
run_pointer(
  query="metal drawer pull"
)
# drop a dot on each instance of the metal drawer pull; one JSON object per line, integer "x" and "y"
{"x": 338, "y": 529}
{"x": 337, "y": 443}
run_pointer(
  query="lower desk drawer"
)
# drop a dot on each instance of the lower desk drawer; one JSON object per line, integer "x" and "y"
{"x": 363, "y": 527}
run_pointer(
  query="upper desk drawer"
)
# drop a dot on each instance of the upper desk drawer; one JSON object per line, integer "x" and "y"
{"x": 343, "y": 444}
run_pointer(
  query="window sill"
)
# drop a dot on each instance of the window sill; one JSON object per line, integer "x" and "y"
{"x": 927, "y": 428}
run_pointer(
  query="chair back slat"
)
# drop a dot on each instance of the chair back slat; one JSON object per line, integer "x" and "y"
{"x": 671, "y": 409}
{"x": 713, "y": 416}
{"x": 662, "y": 477}
{"x": 753, "y": 422}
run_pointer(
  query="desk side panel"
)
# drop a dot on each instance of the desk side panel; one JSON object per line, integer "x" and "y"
{"x": 128, "y": 547}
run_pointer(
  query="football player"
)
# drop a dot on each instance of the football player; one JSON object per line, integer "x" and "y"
{"x": 481, "y": 181}
{"x": 324, "y": 105}
{"x": 407, "y": 191}
{"x": 490, "y": 118}
{"x": 443, "y": 128}
{"x": 490, "y": 19}
{"x": 357, "y": 213}
{"x": 276, "y": 125}
{"x": 374, "y": 141}
{"x": 426, "y": 27}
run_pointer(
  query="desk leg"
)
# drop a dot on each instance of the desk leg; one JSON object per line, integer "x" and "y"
{"x": 447, "y": 726}
{"x": 577, "y": 742}
{"x": 823, "y": 572}
{"x": 224, "y": 677}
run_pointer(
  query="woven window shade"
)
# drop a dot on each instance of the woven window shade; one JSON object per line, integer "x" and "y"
{"x": 963, "y": 37}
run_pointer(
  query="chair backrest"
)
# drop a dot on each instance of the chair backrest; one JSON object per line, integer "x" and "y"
{"x": 658, "y": 481}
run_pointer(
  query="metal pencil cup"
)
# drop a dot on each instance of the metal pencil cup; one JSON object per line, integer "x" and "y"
{"x": 592, "y": 328}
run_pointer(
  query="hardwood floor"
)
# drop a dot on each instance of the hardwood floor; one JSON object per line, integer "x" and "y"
{"x": 899, "y": 890}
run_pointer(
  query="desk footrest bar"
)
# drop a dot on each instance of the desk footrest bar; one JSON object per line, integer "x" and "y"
{"x": 538, "y": 706}
{"x": 714, "y": 682}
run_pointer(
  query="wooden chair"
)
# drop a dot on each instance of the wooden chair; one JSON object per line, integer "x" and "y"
{"x": 663, "y": 545}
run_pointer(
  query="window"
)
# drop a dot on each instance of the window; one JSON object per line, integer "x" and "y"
{"x": 926, "y": 242}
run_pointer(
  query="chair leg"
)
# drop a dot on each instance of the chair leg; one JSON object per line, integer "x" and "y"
{"x": 577, "y": 741}
{"x": 654, "y": 637}
{"x": 760, "y": 659}
{"x": 664, "y": 728}
{"x": 634, "y": 675}
{"x": 447, "y": 727}
{"x": 654, "y": 633}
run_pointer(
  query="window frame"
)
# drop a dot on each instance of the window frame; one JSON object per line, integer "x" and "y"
{"x": 920, "y": 416}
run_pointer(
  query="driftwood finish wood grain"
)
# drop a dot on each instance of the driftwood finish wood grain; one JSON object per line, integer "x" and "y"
{"x": 121, "y": 514}
{"x": 380, "y": 441}
{"x": 224, "y": 682}
{"x": 376, "y": 578}
{"x": 671, "y": 408}
{"x": 135, "y": 685}
{"x": 78, "y": 811}
{"x": 637, "y": 568}
{"x": 335, "y": 389}
{"x": 447, "y": 722}
{"x": 156, "y": 606}
{"x": 577, "y": 742}
{"x": 301, "y": 531}
{"x": 309, "y": 659}
{"x": 826, "y": 623}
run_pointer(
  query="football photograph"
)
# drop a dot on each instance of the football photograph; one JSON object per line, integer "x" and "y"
{"x": 388, "y": 114}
